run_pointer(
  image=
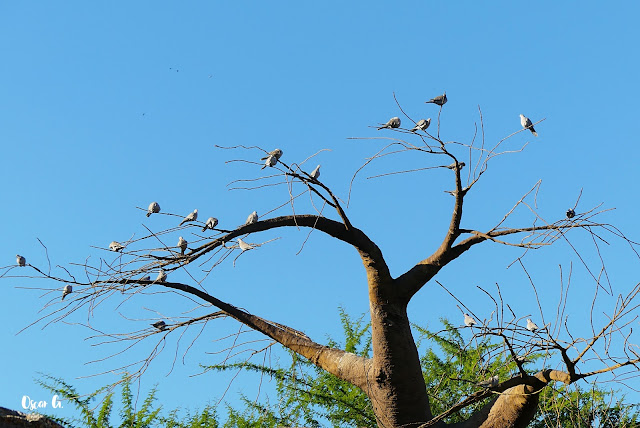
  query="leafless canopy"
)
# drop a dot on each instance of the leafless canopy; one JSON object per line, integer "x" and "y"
{"x": 391, "y": 377}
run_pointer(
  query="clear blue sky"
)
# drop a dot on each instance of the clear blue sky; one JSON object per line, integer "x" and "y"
{"x": 107, "y": 107}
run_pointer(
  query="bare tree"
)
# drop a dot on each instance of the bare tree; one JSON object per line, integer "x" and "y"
{"x": 392, "y": 377}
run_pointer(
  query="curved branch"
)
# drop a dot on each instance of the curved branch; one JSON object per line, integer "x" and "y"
{"x": 415, "y": 278}
{"x": 345, "y": 365}
{"x": 369, "y": 252}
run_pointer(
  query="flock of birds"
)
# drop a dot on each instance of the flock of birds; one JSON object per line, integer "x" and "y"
{"x": 270, "y": 160}
{"x": 441, "y": 100}
{"x": 493, "y": 381}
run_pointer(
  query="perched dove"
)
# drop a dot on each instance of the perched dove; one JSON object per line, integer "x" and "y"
{"x": 469, "y": 321}
{"x": 440, "y": 100}
{"x": 531, "y": 326}
{"x": 489, "y": 383}
{"x": 526, "y": 123}
{"x": 422, "y": 125}
{"x": 315, "y": 173}
{"x": 453, "y": 165}
{"x": 253, "y": 217}
{"x": 162, "y": 276}
{"x": 191, "y": 217}
{"x": 68, "y": 289}
{"x": 276, "y": 153}
{"x": 160, "y": 325}
{"x": 571, "y": 213}
{"x": 21, "y": 260}
{"x": 394, "y": 122}
{"x": 243, "y": 245}
{"x": 154, "y": 208}
{"x": 116, "y": 246}
{"x": 210, "y": 224}
{"x": 182, "y": 244}
{"x": 270, "y": 161}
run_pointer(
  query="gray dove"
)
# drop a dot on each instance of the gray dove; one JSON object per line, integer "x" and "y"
{"x": 315, "y": 173}
{"x": 154, "y": 208}
{"x": 526, "y": 123}
{"x": 182, "y": 244}
{"x": 276, "y": 153}
{"x": 21, "y": 261}
{"x": 116, "y": 246}
{"x": 531, "y": 326}
{"x": 469, "y": 321}
{"x": 243, "y": 245}
{"x": 440, "y": 100}
{"x": 162, "y": 276}
{"x": 68, "y": 289}
{"x": 191, "y": 217}
{"x": 253, "y": 217}
{"x": 210, "y": 224}
{"x": 489, "y": 383}
{"x": 394, "y": 122}
{"x": 422, "y": 125}
{"x": 270, "y": 161}
{"x": 160, "y": 325}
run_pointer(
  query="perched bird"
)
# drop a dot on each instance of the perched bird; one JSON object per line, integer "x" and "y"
{"x": 243, "y": 245}
{"x": 526, "y": 123}
{"x": 440, "y": 100}
{"x": 522, "y": 359}
{"x": 191, "y": 217}
{"x": 154, "y": 207}
{"x": 160, "y": 325}
{"x": 394, "y": 122}
{"x": 315, "y": 173}
{"x": 469, "y": 321}
{"x": 182, "y": 244}
{"x": 422, "y": 125}
{"x": 68, "y": 289}
{"x": 210, "y": 224}
{"x": 162, "y": 276}
{"x": 453, "y": 165}
{"x": 571, "y": 213}
{"x": 116, "y": 246}
{"x": 21, "y": 260}
{"x": 489, "y": 383}
{"x": 531, "y": 326}
{"x": 270, "y": 161}
{"x": 253, "y": 217}
{"x": 276, "y": 153}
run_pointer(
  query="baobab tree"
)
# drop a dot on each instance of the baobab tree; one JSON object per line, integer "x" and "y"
{"x": 392, "y": 377}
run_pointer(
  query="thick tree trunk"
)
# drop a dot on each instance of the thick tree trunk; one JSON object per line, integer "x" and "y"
{"x": 396, "y": 386}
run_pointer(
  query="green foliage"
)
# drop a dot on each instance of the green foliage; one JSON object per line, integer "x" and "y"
{"x": 99, "y": 416}
{"x": 308, "y": 396}
{"x": 569, "y": 406}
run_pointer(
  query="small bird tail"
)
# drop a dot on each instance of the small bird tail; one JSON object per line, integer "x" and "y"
{"x": 182, "y": 222}
{"x": 63, "y": 296}
{"x": 535, "y": 134}
{"x": 204, "y": 228}
{"x": 382, "y": 127}
{"x": 148, "y": 214}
